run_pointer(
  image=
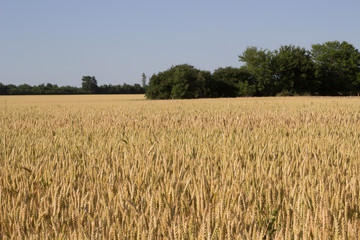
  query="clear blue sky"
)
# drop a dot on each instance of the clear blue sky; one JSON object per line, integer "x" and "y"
{"x": 59, "y": 41}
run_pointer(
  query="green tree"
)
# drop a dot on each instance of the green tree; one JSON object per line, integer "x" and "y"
{"x": 246, "y": 89}
{"x": 143, "y": 80}
{"x": 337, "y": 66}
{"x": 233, "y": 82}
{"x": 184, "y": 81}
{"x": 259, "y": 63}
{"x": 3, "y": 89}
{"x": 293, "y": 70}
{"x": 203, "y": 85}
{"x": 159, "y": 86}
{"x": 89, "y": 84}
{"x": 24, "y": 89}
{"x": 178, "y": 82}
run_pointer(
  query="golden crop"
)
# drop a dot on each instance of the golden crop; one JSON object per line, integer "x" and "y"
{"x": 121, "y": 167}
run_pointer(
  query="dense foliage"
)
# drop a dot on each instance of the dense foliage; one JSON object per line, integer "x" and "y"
{"x": 182, "y": 81}
{"x": 89, "y": 86}
{"x": 332, "y": 68}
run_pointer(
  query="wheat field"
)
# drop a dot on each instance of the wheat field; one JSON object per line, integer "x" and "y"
{"x": 122, "y": 167}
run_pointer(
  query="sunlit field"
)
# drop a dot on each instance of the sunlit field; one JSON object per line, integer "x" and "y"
{"x": 123, "y": 167}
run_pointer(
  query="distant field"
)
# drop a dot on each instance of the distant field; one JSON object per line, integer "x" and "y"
{"x": 122, "y": 167}
{"x": 68, "y": 99}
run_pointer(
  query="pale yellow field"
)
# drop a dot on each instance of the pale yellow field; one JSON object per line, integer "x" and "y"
{"x": 122, "y": 167}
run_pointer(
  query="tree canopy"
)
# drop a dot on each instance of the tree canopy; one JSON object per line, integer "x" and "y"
{"x": 331, "y": 68}
{"x": 89, "y": 86}
{"x": 181, "y": 81}
{"x": 337, "y": 67}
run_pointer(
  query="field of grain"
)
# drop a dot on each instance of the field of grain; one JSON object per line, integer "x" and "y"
{"x": 122, "y": 167}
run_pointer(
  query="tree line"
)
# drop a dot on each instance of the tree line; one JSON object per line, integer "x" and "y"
{"x": 328, "y": 69}
{"x": 89, "y": 86}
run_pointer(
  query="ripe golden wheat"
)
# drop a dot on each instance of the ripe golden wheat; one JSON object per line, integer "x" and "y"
{"x": 115, "y": 167}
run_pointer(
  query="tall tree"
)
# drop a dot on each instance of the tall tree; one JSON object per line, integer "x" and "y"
{"x": 203, "y": 85}
{"x": 233, "y": 82}
{"x": 143, "y": 80}
{"x": 89, "y": 84}
{"x": 293, "y": 70}
{"x": 337, "y": 66}
{"x": 159, "y": 86}
{"x": 183, "y": 78}
{"x": 180, "y": 81}
{"x": 3, "y": 89}
{"x": 259, "y": 63}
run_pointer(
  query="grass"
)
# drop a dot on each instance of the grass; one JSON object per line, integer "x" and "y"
{"x": 116, "y": 167}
